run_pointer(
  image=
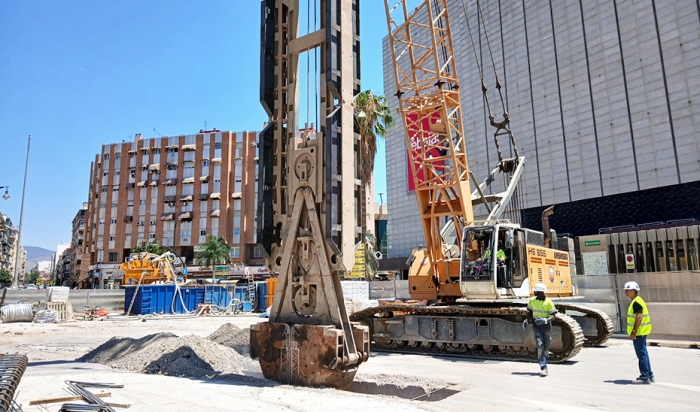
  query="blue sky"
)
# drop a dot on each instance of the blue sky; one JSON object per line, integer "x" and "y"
{"x": 79, "y": 74}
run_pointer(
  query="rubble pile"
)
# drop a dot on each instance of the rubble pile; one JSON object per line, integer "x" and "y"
{"x": 234, "y": 337}
{"x": 165, "y": 353}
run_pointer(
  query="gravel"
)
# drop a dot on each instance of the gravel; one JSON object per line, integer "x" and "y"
{"x": 165, "y": 353}
{"x": 234, "y": 337}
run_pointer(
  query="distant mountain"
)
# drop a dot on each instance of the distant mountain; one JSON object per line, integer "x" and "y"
{"x": 36, "y": 254}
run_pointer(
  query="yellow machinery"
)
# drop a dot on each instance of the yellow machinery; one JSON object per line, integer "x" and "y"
{"x": 146, "y": 268}
{"x": 475, "y": 272}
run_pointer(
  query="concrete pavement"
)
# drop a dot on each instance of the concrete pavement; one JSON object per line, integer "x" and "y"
{"x": 598, "y": 379}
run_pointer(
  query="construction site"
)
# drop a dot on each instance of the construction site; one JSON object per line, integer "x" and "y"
{"x": 461, "y": 331}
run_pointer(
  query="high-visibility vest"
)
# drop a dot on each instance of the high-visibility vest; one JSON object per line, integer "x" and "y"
{"x": 541, "y": 308}
{"x": 644, "y": 327}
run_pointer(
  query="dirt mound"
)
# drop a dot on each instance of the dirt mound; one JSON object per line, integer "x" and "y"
{"x": 168, "y": 354}
{"x": 234, "y": 337}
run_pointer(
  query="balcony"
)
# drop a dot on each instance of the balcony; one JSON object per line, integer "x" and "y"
{"x": 128, "y": 219}
{"x": 169, "y": 199}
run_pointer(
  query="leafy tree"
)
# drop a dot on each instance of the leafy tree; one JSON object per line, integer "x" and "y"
{"x": 138, "y": 248}
{"x": 373, "y": 117}
{"x": 5, "y": 277}
{"x": 155, "y": 247}
{"x": 371, "y": 262}
{"x": 32, "y": 276}
{"x": 215, "y": 251}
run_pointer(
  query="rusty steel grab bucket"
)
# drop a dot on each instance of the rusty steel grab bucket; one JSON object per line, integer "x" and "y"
{"x": 308, "y": 355}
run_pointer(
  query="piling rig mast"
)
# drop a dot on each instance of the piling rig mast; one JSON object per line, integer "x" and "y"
{"x": 309, "y": 199}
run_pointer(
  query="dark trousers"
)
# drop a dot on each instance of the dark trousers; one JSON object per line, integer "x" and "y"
{"x": 543, "y": 337}
{"x": 640, "y": 347}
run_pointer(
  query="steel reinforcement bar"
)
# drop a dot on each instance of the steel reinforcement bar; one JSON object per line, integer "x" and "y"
{"x": 12, "y": 368}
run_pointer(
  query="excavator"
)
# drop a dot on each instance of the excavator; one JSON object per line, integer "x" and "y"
{"x": 473, "y": 272}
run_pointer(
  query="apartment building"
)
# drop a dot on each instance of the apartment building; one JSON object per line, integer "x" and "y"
{"x": 175, "y": 189}
{"x": 6, "y": 243}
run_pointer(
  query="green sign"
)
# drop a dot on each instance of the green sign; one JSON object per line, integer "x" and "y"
{"x": 222, "y": 269}
{"x": 591, "y": 243}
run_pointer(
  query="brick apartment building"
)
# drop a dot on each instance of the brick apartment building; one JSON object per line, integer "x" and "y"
{"x": 175, "y": 189}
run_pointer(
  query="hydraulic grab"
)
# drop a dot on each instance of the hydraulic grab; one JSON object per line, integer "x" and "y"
{"x": 307, "y": 192}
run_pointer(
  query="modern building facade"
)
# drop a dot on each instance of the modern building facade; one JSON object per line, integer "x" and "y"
{"x": 604, "y": 101}
{"x": 175, "y": 189}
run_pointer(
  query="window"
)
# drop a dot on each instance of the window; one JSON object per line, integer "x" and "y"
{"x": 172, "y": 150}
{"x": 116, "y": 173}
{"x": 236, "y": 231}
{"x": 257, "y": 253}
{"x": 111, "y": 238}
{"x": 235, "y": 252}
{"x": 103, "y": 205}
{"x": 106, "y": 156}
{"x": 113, "y": 256}
{"x": 115, "y": 188}
{"x": 156, "y": 150}
{"x": 104, "y": 189}
{"x": 205, "y": 163}
{"x": 115, "y": 204}
{"x": 142, "y": 202}
{"x": 132, "y": 154}
{"x": 113, "y": 220}
{"x": 171, "y": 167}
{"x": 202, "y": 233}
{"x": 102, "y": 222}
{"x": 117, "y": 157}
{"x": 216, "y": 146}
{"x": 152, "y": 236}
{"x": 105, "y": 174}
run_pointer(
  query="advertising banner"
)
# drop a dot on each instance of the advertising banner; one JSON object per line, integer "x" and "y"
{"x": 417, "y": 131}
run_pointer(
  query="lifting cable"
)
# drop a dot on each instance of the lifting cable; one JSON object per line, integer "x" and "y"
{"x": 507, "y": 165}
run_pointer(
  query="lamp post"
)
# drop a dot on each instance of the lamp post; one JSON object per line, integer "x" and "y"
{"x": 6, "y": 195}
{"x": 15, "y": 278}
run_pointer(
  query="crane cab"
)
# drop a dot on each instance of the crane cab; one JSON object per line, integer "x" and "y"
{"x": 498, "y": 259}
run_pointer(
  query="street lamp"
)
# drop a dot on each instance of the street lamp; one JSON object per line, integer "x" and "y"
{"x": 6, "y": 195}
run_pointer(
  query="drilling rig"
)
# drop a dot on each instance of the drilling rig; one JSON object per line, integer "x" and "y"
{"x": 309, "y": 197}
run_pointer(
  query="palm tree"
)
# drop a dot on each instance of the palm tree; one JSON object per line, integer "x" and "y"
{"x": 373, "y": 117}
{"x": 371, "y": 262}
{"x": 215, "y": 251}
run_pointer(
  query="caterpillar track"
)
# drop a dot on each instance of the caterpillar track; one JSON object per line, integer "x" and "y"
{"x": 484, "y": 332}
{"x": 603, "y": 324}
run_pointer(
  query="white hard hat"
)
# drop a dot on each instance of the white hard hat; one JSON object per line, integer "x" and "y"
{"x": 632, "y": 286}
{"x": 540, "y": 287}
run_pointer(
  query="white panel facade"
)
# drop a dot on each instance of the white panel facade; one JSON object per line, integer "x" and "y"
{"x": 603, "y": 97}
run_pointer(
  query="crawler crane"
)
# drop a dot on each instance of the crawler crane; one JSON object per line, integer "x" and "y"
{"x": 471, "y": 268}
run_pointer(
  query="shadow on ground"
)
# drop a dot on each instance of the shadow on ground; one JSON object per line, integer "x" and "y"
{"x": 620, "y": 382}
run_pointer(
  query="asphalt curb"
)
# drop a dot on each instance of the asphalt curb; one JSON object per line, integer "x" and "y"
{"x": 681, "y": 344}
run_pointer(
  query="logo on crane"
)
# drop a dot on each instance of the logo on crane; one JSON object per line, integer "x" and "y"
{"x": 551, "y": 274}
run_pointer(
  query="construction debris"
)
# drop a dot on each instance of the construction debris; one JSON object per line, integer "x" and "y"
{"x": 167, "y": 354}
{"x": 234, "y": 337}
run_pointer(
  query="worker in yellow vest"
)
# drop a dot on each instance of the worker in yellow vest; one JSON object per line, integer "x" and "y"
{"x": 639, "y": 327}
{"x": 541, "y": 312}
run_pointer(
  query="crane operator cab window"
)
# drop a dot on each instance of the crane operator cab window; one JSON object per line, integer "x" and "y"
{"x": 494, "y": 253}
{"x": 477, "y": 262}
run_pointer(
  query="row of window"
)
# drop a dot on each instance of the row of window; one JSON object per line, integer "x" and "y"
{"x": 155, "y": 150}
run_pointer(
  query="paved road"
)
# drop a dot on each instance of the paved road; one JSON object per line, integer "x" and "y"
{"x": 598, "y": 379}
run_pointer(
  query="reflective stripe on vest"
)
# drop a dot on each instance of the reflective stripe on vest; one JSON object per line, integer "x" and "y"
{"x": 541, "y": 308}
{"x": 644, "y": 327}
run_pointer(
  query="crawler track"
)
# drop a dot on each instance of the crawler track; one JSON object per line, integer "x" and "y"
{"x": 12, "y": 368}
{"x": 604, "y": 323}
{"x": 571, "y": 332}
